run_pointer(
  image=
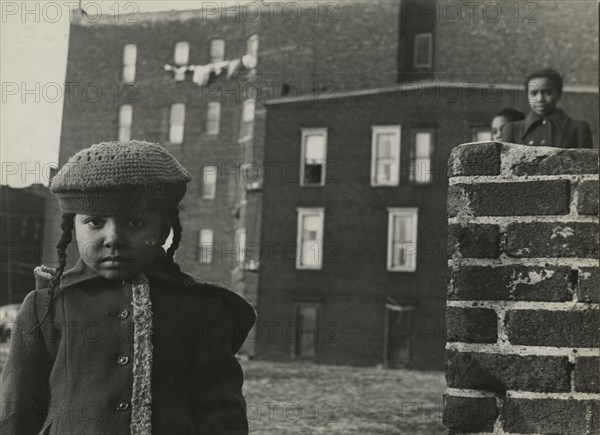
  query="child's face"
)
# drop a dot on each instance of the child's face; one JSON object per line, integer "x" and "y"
{"x": 542, "y": 96}
{"x": 498, "y": 124}
{"x": 118, "y": 247}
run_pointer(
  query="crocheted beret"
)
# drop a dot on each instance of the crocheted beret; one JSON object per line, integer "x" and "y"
{"x": 118, "y": 177}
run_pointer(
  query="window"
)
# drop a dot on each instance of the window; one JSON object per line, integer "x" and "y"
{"x": 129, "y": 60}
{"x": 423, "y": 50}
{"x": 402, "y": 239}
{"x": 205, "y": 246}
{"x": 182, "y": 53}
{"x": 385, "y": 151}
{"x": 252, "y": 46}
{"x": 248, "y": 110}
{"x": 213, "y": 117}
{"x": 125, "y": 121}
{"x": 217, "y": 50}
{"x": 421, "y": 170}
{"x": 306, "y": 322}
{"x": 482, "y": 134}
{"x": 313, "y": 157}
{"x": 209, "y": 182}
{"x": 310, "y": 238}
{"x": 240, "y": 245}
{"x": 177, "y": 120}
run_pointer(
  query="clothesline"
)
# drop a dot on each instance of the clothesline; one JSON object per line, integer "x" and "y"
{"x": 201, "y": 73}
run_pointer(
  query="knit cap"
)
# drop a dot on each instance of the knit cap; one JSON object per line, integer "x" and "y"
{"x": 120, "y": 177}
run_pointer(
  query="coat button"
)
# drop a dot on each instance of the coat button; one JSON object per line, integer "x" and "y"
{"x": 123, "y": 406}
{"x": 544, "y": 122}
{"x": 123, "y": 360}
{"x": 543, "y": 142}
{"x": 530, "y": 142}
{"x": 124, "y": 314}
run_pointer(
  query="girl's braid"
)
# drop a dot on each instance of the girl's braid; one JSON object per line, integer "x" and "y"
{"x": 67, "y": 224}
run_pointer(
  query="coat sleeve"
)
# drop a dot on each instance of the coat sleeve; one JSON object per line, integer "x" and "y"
{"x": 24, "y": 391}
{"x": 585, "y": 136}
{"x": 508, "y": 132}
{"x": 219, "y": 406}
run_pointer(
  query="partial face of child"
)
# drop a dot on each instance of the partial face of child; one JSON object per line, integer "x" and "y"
{"x": 118, "y": 247}
{"x": 498, "y": 124}
{"x": 542, "y": 96}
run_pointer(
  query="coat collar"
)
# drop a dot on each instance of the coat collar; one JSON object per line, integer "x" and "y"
{"x": 81, "y": 273}
{"x": 558, "y": 120}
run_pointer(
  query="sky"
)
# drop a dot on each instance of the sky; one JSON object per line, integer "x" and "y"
{"x": 34, "y": 45}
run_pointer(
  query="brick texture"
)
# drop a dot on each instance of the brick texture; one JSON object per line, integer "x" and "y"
{"x": 587, "y": 198}
{"x": 510, "y": 199}
{"x": 519, "y": 283}
{"x": 497, "y": 372}
{"x": 551, "y": 416}
{"x": 477, "y": 159}
{"x": 554, "y": 328}
{"x": 587, "y": 374}
{"x": 470, "y": 414}
{"x": 588, "y": 285}
{"x": 555, "y": 297}
{"x": 572, "y": 162}
{"x": 474, "y": 241}
{"x": 471, "y": 325}
{"x": 548, "y": 239}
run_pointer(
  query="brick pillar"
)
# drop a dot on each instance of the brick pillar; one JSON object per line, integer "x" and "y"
{"x": 523, "y": 308}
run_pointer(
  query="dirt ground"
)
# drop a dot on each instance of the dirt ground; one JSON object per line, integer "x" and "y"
{"x": 303, "y": 399}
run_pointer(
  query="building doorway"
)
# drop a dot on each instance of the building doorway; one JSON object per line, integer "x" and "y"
{"x": 397, "y": 335}
{"x": 306, "y": 322}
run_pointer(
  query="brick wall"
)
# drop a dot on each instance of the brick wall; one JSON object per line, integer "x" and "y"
{"x": 523, "y": 304}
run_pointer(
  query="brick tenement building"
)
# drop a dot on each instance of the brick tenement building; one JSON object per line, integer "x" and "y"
{"x": 352, "y": 185}
{"x": 523, "y": 310}
{"x": 117, "y": 85}
{"x": 22, "y": 223}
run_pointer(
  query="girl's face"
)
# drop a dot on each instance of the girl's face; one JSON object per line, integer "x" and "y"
{"x": 542, "y": 96}
{"x": 498, "y": 124}
{"x": 118, "y": 247}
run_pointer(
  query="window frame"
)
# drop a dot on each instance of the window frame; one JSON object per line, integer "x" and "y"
{"x": 216, "y": 122}
{"x": 210, "y": 255}
{"x": 385, "y": 129}
{"x": 129, "y": 67}
{"x": 125, "y": 126}
{"x": 305, "y": 133}
{"x": 212, "y": 194}
{"x": 171, "y": 109}
{"x": 413, "y": 172}
{"x": 211, "y": 48}
{"x": 302, "y": 212}
{"x": 476, "y": 129}
{"x": 429, "y": 62}
{"x": 185, "y": 44}
{"x": 393, "y": 212}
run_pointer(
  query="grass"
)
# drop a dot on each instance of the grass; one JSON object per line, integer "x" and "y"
{"x": 303, "y": 399}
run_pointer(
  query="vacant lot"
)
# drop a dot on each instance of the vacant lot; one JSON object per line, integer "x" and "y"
{"x": 302, "y": 399}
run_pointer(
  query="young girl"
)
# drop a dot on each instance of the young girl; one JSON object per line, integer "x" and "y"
{"x": 124, "y": 342}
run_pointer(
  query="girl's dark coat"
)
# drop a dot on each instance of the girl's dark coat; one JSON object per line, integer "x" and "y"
{"x": 74, "y": 374}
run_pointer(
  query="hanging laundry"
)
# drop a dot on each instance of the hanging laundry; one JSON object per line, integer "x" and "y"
{"x": 233, "y": 67}
{"x": 201, "y": 74}
{"x": 179, "y": 72}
